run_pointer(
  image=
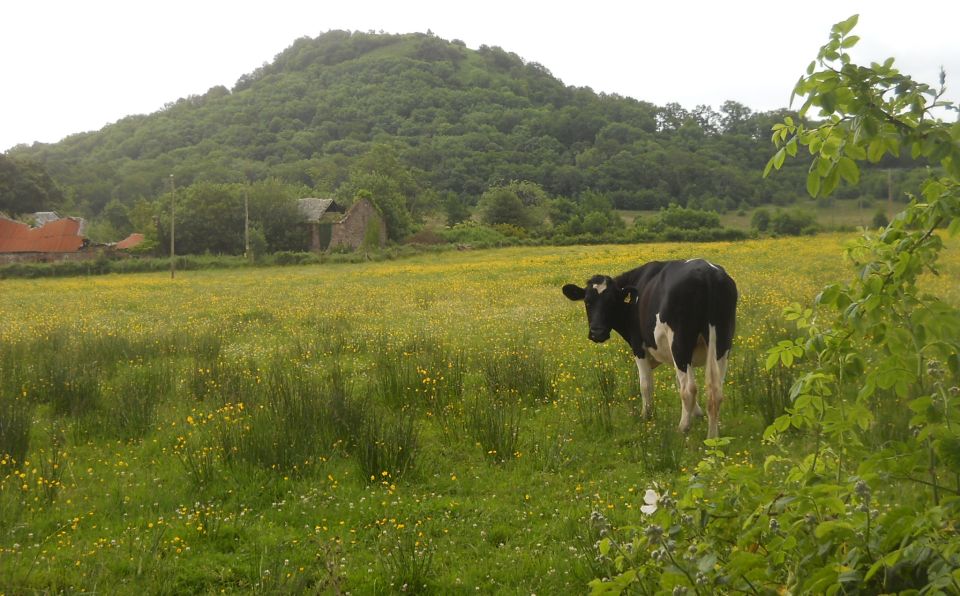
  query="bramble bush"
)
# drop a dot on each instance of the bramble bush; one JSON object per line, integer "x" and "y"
{"x": 862, "y": 494}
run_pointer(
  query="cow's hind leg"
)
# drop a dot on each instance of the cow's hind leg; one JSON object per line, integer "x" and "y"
{"x": 688, "y": 397}
{"x": 682, "y": 348}
{"x": 646, "y": 386}
{"x": 714, "y": 372}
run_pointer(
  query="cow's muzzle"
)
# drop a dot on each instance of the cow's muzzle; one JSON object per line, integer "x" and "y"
{"x": 599, "y": 335}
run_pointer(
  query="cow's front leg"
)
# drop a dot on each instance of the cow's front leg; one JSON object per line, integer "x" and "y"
{"x": 646, "y": 386}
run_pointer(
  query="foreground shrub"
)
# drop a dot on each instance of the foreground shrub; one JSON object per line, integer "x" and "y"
{"x": 835, "y": 510}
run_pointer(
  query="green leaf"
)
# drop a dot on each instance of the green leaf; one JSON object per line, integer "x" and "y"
{"x": 779, "y": 157}
{"x": 831, "y": 145}
{"x": 771, "y": 460}
{"x": 769, "y": 167}
{"x": 834, "y": 529}
{"x": 823, "y": 167}
{"x": 875, "y": 150}
{"x": 954, "y": 228}
{"x": 828, "y": 102}
{"x": 772, "y": 359}
{"x": 813, "y": 183}
{"x": 604, "y": 546}
{"x": 849, "y": 170}
{"x": 892, "y": 145}
{"x": 707, "y": 562}
{"x": 829, "y": 294}
{"x": 787, "y": 358}
{"x": 791, "y": 147}
{"x": 854, "y": 151}
{"x": 830, "y": 181}
{"x": 849, "y": 42}
{"x": 742, "y": 562}
{"x": 888, "y": 560}
{"x": 844, "y": 27}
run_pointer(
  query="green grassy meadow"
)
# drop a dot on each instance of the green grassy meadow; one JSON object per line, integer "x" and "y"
{"x": 437, "y": 424}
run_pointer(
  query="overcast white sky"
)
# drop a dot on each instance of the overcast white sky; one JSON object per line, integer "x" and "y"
{"x": 72, "y": 66}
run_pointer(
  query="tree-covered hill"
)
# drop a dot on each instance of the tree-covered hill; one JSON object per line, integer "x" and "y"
{"x": 431, "y": 121}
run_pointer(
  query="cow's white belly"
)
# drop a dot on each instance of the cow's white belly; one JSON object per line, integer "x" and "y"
{"x": 663, "y": 336}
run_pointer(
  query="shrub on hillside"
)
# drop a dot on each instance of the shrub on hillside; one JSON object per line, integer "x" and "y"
{"x": 682, "y": 218}
{"x": 471, "y": 232}
{"x": 793, "y": 222}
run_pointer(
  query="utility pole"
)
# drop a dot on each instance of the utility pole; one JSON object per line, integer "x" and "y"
{"x": 173, "y": 218}
{"x": 246, "y": 221}
{"x": 890, "y": 193}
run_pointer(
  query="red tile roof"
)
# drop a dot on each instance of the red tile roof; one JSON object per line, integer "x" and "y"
{"x": 62, "y": 235}
{"x": 130, "y": 241}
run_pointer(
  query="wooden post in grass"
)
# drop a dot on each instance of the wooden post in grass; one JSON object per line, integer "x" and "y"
{"x": 246, "y": 222}
{"x": 173, "y": 209}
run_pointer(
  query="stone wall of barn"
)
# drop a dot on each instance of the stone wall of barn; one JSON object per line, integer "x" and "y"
{"x": 350, "y": 231}
{"x": 51, "y": 257}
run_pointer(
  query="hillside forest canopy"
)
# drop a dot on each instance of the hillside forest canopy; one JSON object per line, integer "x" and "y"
{"x": 433, "y": 131}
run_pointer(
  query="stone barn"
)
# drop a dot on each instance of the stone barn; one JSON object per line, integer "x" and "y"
{"x": 319, "y": 215}
{"x": 361, "y": 219}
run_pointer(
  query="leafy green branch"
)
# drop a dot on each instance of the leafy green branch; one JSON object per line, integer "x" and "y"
{"x": 875, "y": 406}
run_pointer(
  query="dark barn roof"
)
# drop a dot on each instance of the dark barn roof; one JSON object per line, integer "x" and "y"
{"x": 314, "y": 209}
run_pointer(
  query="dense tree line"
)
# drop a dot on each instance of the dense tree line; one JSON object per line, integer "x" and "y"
{"x": 25, "y": 187}
{"x": 423, "y": 125}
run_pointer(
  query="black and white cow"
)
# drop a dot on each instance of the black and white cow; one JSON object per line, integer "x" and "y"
{"x": 680, "y": 312}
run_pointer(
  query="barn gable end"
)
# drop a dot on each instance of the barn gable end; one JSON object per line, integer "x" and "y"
{"x": 350, "y": 231}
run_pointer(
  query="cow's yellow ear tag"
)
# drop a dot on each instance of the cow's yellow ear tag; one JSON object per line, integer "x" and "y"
{"x": 627, "y": 299}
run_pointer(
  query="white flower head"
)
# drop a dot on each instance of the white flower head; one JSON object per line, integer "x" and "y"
{"x": 651, "y": 498}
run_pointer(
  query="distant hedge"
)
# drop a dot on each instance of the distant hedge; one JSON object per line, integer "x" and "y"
{"x": 474, "y": 236}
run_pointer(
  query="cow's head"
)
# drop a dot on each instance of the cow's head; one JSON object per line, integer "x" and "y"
{"x": 605, "y": 301}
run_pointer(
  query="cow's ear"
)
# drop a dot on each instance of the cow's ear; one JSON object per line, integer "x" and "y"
{"x": 574, "y": 292}
{"x": 630, "y": 295}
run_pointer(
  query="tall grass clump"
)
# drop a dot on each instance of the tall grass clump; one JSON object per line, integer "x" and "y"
{"x": 520, "y": 371}
{"x": 50, "y": 465}
{"x": 16, "y": 410}
{"x": 282, "y": 422}
{"x": 16, "y": 418}
{"x": 198, "y": 458}
{"x": 385, "y": 445}
{"x": 421, "y": 373}
{"x": 595, "y": 409}
{"x": 129, "y": 400}
{"x": 494, "y": 423}
{"x": 659, "y": 447}
{"x": 397, "y": 380}
{"x": 326, "y": 339}
{"x": 407, "y": 561}
{"x": 445, "y": 381}
{"x": 69, "y": 381}
{"x": 553, "y": 453}
{"x": 754, "y": 389}
{"x": 205, "y": 373}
